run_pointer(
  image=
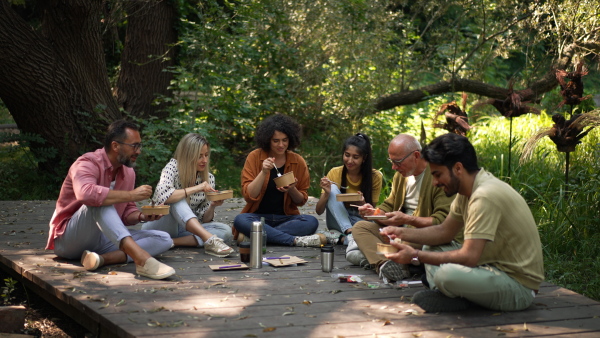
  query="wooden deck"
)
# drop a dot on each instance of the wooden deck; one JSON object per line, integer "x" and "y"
{"x": 299, "y": 301}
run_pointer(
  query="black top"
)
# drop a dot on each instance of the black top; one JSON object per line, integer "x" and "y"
{"x": 272, "y": 202}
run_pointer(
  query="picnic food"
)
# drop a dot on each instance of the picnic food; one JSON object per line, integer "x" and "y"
{"x": 219, "y": 195}
{"x": 285, "y": 179}
{"x": 349, "y": 197}
{"x": 386, "y": 248}
{"x": 155, "y": 210}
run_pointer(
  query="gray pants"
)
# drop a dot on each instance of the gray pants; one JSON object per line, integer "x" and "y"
{"x": 484, "y": 285}
{"x": 174, "y": 224}
{"x": 100, "y": 229}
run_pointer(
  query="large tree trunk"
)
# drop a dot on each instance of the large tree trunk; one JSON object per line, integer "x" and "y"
{"x": 54, "y": 79}
{"x": 142, "y": 77}
{"x": 54, "y": 82}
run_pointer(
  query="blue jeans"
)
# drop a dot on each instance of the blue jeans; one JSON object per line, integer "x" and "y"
{"x": 100, "y": 229}
{"x": 174, "y": 224}
{"x": 281, "y": 229}
{"x": 339, "y": 217}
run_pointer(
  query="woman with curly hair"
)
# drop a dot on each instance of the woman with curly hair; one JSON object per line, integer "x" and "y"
{"x": 355, "y": 176}
{"x": 276, "y": 137}
{"x": 183, "y": 183}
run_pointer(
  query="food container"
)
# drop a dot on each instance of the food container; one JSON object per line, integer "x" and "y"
{"x": 374, "y": 217}
{"x": 219, "y": 195}
{"x": 350, "y": 197}
{"x": 386, "y": 249}
{"x": 155, "y": 210}
{"x": 285, "y": 179}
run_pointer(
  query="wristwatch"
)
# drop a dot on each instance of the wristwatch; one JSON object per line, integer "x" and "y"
{"x": 415, "y": 259}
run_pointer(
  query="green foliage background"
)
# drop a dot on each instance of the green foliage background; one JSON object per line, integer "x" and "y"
{"x": 324, "y": 63}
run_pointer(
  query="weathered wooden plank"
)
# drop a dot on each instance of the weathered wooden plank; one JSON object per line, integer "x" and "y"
{"x": 113, "y": 301}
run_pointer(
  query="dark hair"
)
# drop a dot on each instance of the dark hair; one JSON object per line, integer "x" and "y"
{"x": 281, "y": 123}
{"x": 362, "y": 142}
{"x": 449, "y": 149}
{"x": 116, "y": 132}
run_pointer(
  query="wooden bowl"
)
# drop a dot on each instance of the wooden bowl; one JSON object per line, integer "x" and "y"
{"x": 219, "y": 195}
{"x": 385, "y": 249}
{"x": 155, "y": 210}
{"x": 285, "y": 179}
{"x": 350, "y": 197}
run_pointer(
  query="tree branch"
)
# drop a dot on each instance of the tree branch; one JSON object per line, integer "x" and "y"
{"x": 545, "y": 84}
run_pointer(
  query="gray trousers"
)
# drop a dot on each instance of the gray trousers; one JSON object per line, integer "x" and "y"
{"x": 174, "y": 224}
{"x": 100, "y": 229}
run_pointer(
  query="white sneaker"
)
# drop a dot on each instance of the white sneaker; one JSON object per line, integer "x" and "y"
{"x": 91, "y": 260}
{"x": 315, "y": 240}
{"x": 333, "y": 236}
{"x": 216, "y": 247}
{"x": 154, "y": 269}
{"x": 354, "y": 255}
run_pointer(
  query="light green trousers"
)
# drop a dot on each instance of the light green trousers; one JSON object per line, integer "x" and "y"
{"x": 484, "y": 285}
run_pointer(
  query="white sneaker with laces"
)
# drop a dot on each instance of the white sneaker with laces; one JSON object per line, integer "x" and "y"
{"x": 216, "y": 247}
{"x": 315, "y": 240}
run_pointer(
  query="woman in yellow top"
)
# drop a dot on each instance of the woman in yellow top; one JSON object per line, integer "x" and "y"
{"x": 355, "y": 176}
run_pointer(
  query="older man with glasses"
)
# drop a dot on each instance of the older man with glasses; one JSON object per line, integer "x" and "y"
{"x": 97, "y": 202}
{"x": 413, "y": 202}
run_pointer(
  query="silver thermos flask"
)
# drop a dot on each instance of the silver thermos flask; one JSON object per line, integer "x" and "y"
{"x": 327, "y": 258}
{"x": 256, "y": 245}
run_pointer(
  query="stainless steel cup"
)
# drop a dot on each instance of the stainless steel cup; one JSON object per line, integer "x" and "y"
{"x": 327, "y": 258}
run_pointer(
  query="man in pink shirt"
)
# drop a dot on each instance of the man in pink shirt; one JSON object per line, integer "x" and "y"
{"x": 97, "y": 202}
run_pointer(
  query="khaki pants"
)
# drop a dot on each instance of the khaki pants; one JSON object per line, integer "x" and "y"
{"x": 484, "y": 285}
{"x": 366, "y": 234}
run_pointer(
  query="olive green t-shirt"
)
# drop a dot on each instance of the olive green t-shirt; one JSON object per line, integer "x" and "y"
{"x": 497, "y": 213}
{"x": 335, "y": 175}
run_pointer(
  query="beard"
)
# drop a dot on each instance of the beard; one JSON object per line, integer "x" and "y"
{"x": 452, "y": 185}
{"x": 126, "y": 160}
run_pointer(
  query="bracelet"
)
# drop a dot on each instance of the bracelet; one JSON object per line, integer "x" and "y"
{"x": 140, "y": 218}
{"x": 185, "y": 191}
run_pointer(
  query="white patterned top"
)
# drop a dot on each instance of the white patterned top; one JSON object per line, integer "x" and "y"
{"x": 169, "y": 182}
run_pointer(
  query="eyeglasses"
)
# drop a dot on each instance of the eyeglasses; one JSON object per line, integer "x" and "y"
{"x": 135, "y": 146}
{"x": 398, "y": 162}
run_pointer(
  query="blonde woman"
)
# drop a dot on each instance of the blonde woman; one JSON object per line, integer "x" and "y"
{"x": 182, "y": 185}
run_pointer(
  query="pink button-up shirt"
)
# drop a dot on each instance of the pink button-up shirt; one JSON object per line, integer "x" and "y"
{"x": 88, "y": 183}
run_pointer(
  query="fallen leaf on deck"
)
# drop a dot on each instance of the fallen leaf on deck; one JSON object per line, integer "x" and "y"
{"x": 525, "y": 327}
{"x": 288, "y": 313}
{"x": 387, "y": 322}
{"x": 158, "y": 309}
{"x": 112, "y": 273}
{"x": 417, "y": 334}
{"x": 307, "y": 302}
{"x": 336, "y": 291}
{"x": 121, "y": 302}
{"x": 411, "y": 312}
{"x": 104, "y": 306}
{"x": 269, "y": 329}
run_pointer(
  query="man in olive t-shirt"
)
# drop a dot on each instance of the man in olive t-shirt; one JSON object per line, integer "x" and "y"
{"x": 500, "y": 264}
